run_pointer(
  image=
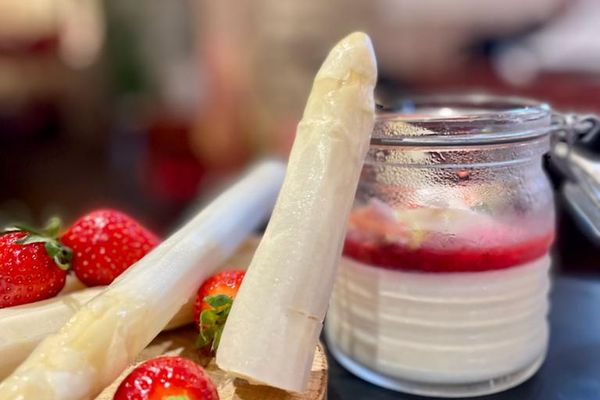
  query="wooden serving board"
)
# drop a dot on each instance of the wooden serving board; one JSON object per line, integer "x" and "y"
{"x": 181, "y": 342}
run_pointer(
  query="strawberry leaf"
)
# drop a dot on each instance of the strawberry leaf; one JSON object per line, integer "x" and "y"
{"x": 208, "y": 320}
{"x": 52, "y": 228}
{"x": 212, "y": 321}
{"x": 9, "y": 229}
{"x": 61, "y": 254}
{"x": 202, "y": 341}
{"x": 217, "y": 339}
{"x": 23, "y": 228}
{"x": 218, "y": 300}
{"x": 50, "y": 231}
{"x": 30, "y": 239}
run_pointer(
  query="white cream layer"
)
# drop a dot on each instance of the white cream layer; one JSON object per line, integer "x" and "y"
{"x": 441, "y": 327}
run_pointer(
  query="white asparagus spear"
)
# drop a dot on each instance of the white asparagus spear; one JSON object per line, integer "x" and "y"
{"x": 72, "y": 284}
{"x": 274, "y": 324}
{"x": 102, "y": 338}
{"x": 23, "y": 327}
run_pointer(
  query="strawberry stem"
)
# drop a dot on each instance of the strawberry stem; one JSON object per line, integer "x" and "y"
{"x": 61, "y": 254}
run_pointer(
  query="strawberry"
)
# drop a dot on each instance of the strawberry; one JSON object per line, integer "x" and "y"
{"x": 33, "y": 264}
{"x": 213, "y": 302}
{"x": 167, "y": 378}
{"x": 105, "y": 243}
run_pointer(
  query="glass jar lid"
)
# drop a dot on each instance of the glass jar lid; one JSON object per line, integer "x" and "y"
{"x": 461, "y": 119}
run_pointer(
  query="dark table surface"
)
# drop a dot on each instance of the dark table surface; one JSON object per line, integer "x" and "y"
{"x": 571, "y": 370}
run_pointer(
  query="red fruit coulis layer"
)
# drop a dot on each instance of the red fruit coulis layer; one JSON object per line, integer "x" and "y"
{"x": 456, "y": 258}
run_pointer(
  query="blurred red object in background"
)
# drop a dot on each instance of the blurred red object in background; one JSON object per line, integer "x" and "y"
{"x": 172, "y": 172}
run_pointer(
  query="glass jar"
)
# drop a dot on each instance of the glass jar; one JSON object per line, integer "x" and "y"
{"x": 442, "y": 289}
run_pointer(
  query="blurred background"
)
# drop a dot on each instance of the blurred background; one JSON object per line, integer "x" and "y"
{"x": 150, "y": 106}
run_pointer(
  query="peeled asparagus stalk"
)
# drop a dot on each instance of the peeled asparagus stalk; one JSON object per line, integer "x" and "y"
{"x": 23, "y": 327}
{"x": 72, "y": 284}
{"x": 102, "y": 338}
{"x": 274, "y": 324}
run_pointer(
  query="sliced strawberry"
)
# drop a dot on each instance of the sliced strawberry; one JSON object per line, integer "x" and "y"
{"x": 377, "y": 221}
{"x": 439, "y": 240}
{"x": 167, "y": 378}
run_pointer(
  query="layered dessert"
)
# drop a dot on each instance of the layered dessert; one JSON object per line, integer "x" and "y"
{"x": 440, "y": 296}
